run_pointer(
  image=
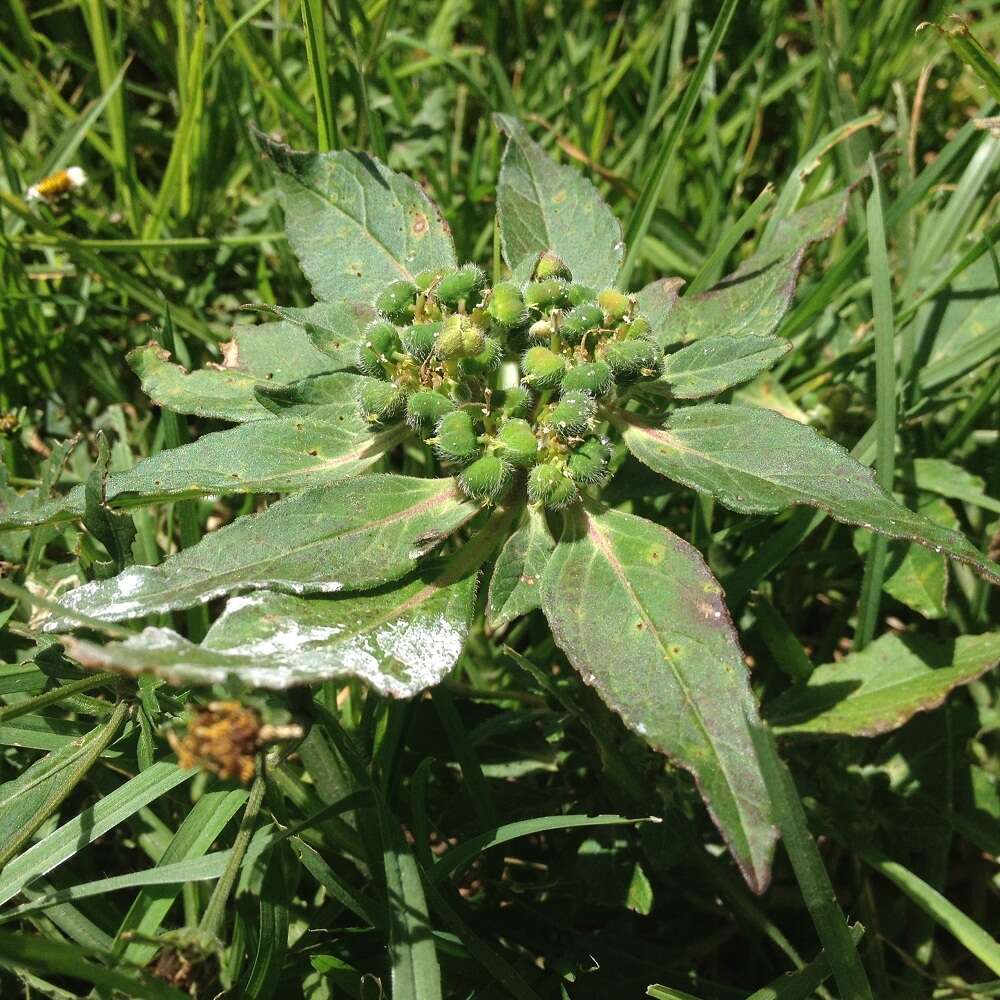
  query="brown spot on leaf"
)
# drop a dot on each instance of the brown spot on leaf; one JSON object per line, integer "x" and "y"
{"x": 420, "y": 224}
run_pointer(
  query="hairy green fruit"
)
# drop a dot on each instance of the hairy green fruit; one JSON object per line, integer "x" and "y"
{"x": 544, "y": 295}
{"x": 588, "y": 462}
{"x": 425, "y": 408}
{"x": 614, "y": 304}
{"x": 461, "y": 286}
{"x": 381, "y": 402}
{"x": 541, "y": 330}
{"x": 456, "y": 439}
{"x": 506, "y": 305}
{"x": 551, "y": 265}
{"x": 633, "y": 359}
{"x": 594, "y": 377}
{"x": 577, "y": 294}
{"x": 639, "y": 327}
{"x": 374, "y": 352}
{"x": 418, "y": 340}
{"x": 542, "y": 368}
{"x": 486, "y": 361}
{"x": 572, "y": 414}
{"x": 551, "y": 485}
{"x": 514, "y": 402}
{"x": 396, "y": 300}
{"x": 580, "y": 321}
{"x": 425, "y": 279}
{"x": 516, "y": 442}
{"x": 486, "y": 478}
{"x": 459, "y": 337}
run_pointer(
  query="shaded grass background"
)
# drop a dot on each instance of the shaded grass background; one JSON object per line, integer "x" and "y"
{"x": 153, "y": 99}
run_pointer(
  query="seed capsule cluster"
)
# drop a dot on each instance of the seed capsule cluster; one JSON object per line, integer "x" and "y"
{"x": 434, "y": 359}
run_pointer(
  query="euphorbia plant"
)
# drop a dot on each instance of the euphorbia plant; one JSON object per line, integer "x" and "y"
{"x": 495, "y": 411}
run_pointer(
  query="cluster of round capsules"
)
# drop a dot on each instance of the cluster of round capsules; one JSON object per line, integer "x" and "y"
{"x": 433, "y": 358}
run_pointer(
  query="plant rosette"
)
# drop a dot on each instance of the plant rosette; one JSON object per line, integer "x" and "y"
{"x": 509, "y": 405}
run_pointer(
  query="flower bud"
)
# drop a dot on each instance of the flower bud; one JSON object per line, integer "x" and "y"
{"x": 633, "y": 359}
{"x": 550, "y": 265}
{"x": 513, "y": 402}
{"x": 459, "y": 337}
{"x": 418, "y": 340}
{"x": 544, "y": 295}
{"x": 380, "y": 402}
{"x": 579, "y": 321}
{"x": 541, "y": 330}
{"x": 456, "y": 439}
{"x": 577, "y": 294}
{"x": 592, "y": 376}
{"x": 614, "y": 303}
{"x": 551, "y": 485}
{"x": 376, "y": 348}
{"x": 572, "y": 414}
{"x": 588, "y": 462}
{"x": 396, "y": 300}
{"x": 506, "y": 305}
{"x": 485, "y": 479}
{"x": 462, "y": 285}
{"x": 516, "y": 442}
{"x": 425, "y": 408}
{"x": 542, "y": 368}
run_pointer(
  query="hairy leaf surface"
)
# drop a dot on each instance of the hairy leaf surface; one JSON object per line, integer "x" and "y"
{"x": 883, "y": 686}
{"x": 353, "y": 535}
{"x": 755, "y": 461}
{"x": 707, "y": 367}
{"x": 752, "y": 300}
{"x": 641, "y": 617}
{"x": 543, "y": 206}
{"x": 515, "y": 587}
{"x": 219, "y": 392}
{"x": 356, "y": 225}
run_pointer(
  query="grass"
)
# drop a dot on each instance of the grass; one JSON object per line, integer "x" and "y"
{"x": 491, "y": 840}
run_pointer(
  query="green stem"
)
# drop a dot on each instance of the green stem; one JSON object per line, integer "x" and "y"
{"x": 56, "y": 694}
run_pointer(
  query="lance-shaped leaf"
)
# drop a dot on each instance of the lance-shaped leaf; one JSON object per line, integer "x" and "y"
{"x": 756, "y": 461}
{"x": 543, "y": 206}
{"x": 219, "y": 392}
{"x": 707, "y": 367}
{"x": 400, "y": 639}
{"x": 515, "y": 587}
{"x": 354, "y": 224}
{"x": 752, "y": 300}
{"x": 642, "y": 619}
{"x": 884, "y": 685}
{"x": 317, "y": 442}
{"x": 353, "y": 535}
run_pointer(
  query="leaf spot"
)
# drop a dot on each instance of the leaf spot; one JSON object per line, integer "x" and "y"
{"x": 420, "y": 224}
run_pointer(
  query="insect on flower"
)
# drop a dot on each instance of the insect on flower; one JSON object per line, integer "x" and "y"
{"x": 56, "y": 185}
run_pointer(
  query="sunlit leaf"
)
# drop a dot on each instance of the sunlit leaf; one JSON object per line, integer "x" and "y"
{"x": 642, "y": 619}
{"x": 707, "y": 367}
{"x": 515, "y": 587}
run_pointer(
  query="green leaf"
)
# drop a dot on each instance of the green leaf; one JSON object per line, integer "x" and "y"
{"x": 642, "y": 619}
{"x": 960, "y": 328}
{"x": 752, "y": 300}
{"x": 113, "y": 530}
{"x": 224, "y": 393}
{"x": 543, "y": 206}
{"x": 515, "y": 587}
{"x": 708, "y": 367}
{"x": 755, "y": 461}
{"x": 356, "y": 225}
{"x": 334, "y": 329}
{"x": 95, "y": 821}
{"x": 400, "y": 640}
{"x": 656, "y": 301}
{"x": 22, "y": 951}
{"x": 883, "y": 686}
{"x": 321, "y": 440}
{"x": 319, "y": 338}
{"x": 936, "y": 475}
{"x": 353, "y": 535}
{"x": 916, "y": 576}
